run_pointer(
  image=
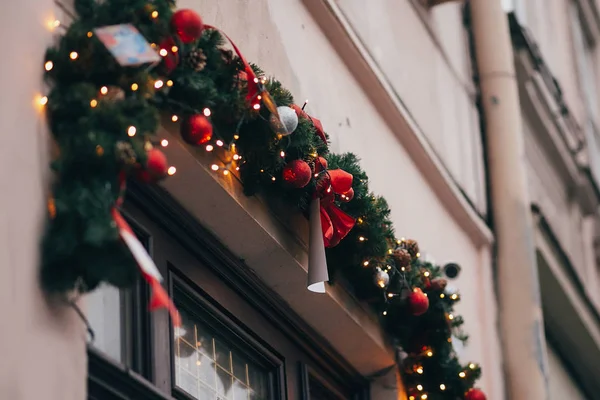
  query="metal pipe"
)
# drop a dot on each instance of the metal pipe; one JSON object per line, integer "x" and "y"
{"x": 520, "y": 313}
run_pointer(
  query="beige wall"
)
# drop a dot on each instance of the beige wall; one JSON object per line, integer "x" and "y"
{"x": 562, "y": 385}
{"x": 43, "y": 348}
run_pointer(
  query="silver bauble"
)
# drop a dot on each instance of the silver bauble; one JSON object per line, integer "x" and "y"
{"x": 287, "y": 122}
{"x": 382, "y": 279}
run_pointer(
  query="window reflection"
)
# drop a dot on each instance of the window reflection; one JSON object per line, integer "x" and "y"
{"x": 208, "y": 368}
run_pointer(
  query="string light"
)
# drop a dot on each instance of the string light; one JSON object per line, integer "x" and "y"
{"x": 403, "y": 269}
{"x": 450, "y": 316}
{"x": 131, "y": 131}
{"x": 390, "y": 295}
{"x": 259, "y": 97}
{"x": 49, "y": 65}
{"x": 442, "y": 296}
{"x": 198, "y": 363}
{"x": 90, "y": 34}
{"x": 472, "y": 366}
{"x": 426, "y": 273}
{"x": 73, "y": 55}
{"x": 163, "y": 52}
{"x": 154, "y": 14}
{"x": 53, "y": 24}
{"x": 385, "y": 312}
{"x": 164, "y": 143}
{"x": 362, "y": 238}
{"x": 206, "y": 112}
{"x": 454, "y": 296}
{"x": 93, "y": 103}
{"x": 462, "y": 374}
{"x": 411, "y": 398}
{"x": 256, "y": 106}
{"x": 420, "y": 370}
{"x": 273, "y": 178}
{"x": 43, "y": 100}
{"x": 214, "y": 167}
{"x": 236, "y": 157}
{"x": 169, "y": 83}
{"x": 282, "y": 154}
{"x": 442, "y": 387}
{"x": 134, "y": 86}
{"x": 419, "y": 388}
{"x": 359, "y": 220}
{"x": 429, "y": 353}
{"x": 219, "y": 143}
{"x": 209, "y": 147}
{"x": 237, "y": 168}
{"x": 424, "y": 396}
{"x": 103, "y": 90}
{"x": 225, "y": 172}
{"x": 418, "y": 255}
{"x": 366, "y": 263}
{"x": 236, "y": 137}
{"x": 174, "y": 49}
{"x": 262, "y": 170}
{"x": 171, "y": 170}
{"x": 158, "y": 84}
{"x": 174, "y": 118}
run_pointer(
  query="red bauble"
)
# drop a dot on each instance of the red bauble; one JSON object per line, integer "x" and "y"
{"x": 475, "y": 394}
{"x": 418, "y": 302}
{"x": 156, "y": 167}
{"x": 187, "y": 24}
{"x": 320, "y": 164}
{"x": 297, "y": 173}
{"x": 196, "y": 129}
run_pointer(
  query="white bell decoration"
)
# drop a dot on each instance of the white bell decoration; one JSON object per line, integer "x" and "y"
{"x": 287, "y": 122}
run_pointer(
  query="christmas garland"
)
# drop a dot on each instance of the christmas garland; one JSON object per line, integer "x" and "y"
{"x": 108, "y": 94}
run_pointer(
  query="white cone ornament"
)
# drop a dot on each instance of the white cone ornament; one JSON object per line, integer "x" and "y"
{"x": 317, "y": 263}
{"x": 287, "y": 122}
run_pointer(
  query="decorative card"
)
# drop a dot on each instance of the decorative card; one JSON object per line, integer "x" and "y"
{"x": 127, "y": 45}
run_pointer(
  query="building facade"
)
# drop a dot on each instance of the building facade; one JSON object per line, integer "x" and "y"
{"x": 391, "y": 82}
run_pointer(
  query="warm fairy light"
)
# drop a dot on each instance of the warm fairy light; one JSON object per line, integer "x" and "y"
{"x": 219, "y": 143}
{"x": 209, "y": 147}
{"x": 262, "y": 170}
{"x": 390, "y": 295}
{"x": 134, "y": 86}
{"x": 316, "y": 175}
{"x": 236, "y": 157}
{"x": 154, "y": 14}
{"x": 174, "y": 118}
{"x": 225, "y": 172}
{"x": 49, "y": 65}
{"x": 263, "y": 80}
{"x": 449, "y": 340}
{"x": 390, "y": 251}
{"x": 450, "y": 317}
{"x": 403, "y": 269}
{"x": 256, "y": 106}
{"x": 169, "y": 83}
{"x": 174, "y": 49}
{"x": 282, "y": 153}
{"x": 131, "y": 131}
{"x": 426, "y": 273}
{"x": 206, "y": 112}
{"x": 43, "y": 100}
{"x": 93, "y": 103}
{"x": 236, "y": 137}
{"x": 103, "y": 90}
{"x": 419, "y": 370}
{"x": 255, "y": 80}
{"x": 164, "y": 143}
{"x": 53, "y": 24}
{"x": 273, "y": 179}
{"x": 362, "y": 238}
{"x": 237, "y": 168}
{"x": 462, "y": 374}
{"x": 158, "y": 84}
{"x": 419, "y": 388}
{"x": 418, "y": 255}
{"x": 442, "y": 296}
{"x": 366, "y": 263}
{"x": 424, "y": 397}
{"x": 429, "y": 353}
{"x": 214, "y": 167}
{"x": 385, "y": 312}
{"x": 73, "y": 55}
{"x": 411, "y": 398}
{"x": 359, "y": 220}
{"x": 163, "y": 52}
{"x": 454, "y": 296}
{"x": 472, "y": 366}
{"x": 171, "y": 170}
{"x": 442, "y": 387}
{"x": 198, "y": 363}
{"x": 90, "y": 34}
{"x": 259, "y": 97}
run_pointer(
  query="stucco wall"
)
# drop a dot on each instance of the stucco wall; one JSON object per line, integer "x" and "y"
{"x": 282, "y": 37}
{"x": 42, "y": 347}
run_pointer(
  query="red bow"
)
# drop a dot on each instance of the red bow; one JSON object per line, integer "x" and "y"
{"x": 316, "y": 123}
{"x": 335, "y": 223}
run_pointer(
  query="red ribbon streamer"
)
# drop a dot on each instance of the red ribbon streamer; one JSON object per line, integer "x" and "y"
{"x": 335, "y": 223}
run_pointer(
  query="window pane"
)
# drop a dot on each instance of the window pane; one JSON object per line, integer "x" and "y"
{"x": 209, "y": 367}
{"x": 104, "y": 310}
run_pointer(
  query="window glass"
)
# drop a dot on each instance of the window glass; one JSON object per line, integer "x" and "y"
{"x": 209, "y": 368}
{"x": 105, "y": 306}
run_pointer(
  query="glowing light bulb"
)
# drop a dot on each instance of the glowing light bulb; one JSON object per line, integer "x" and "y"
{"x": 53, "y": 24}
{"x": 164, "y": 143}
{"x": 420, "y": 370}
{"x": 255, "y": 80}
{"x": 154, "y": 14}
{"x": 209, "y": 147}
{"x": 403, "y": 269}
{"x": 418, "y": 255}
{"x": 158, "y": 84}
{"x": 426, "y": 274}
{"x": 73, "y": 55}
{"x": 174, "y": 49}
{"x": 43, "y": 100}
{"x": 419, "y": 388}
{"x": 90, "y": 34}
{"x": 131, "y": 131}
{"x": 236, "y": 137}
{"x": 442, "y": 387}
{"x": 171, "y": 170}
{"x": 163, "y": 52}
{"x": 390, "y": 295}
{"x": 442, "y": 296}
{"x": 225, "y": 172}
{"x": 462, "y": 374}
{"x": 366, "y": 263}
{"x": 198, "y": 363}
{"x": 237, "y": 168}
{"x": 93, "y": 103}
{"x": 134, "y": 86}
{"x": 214, "y": 167}
{"x": 385, "y": 313}
{"x": 49, "y": 65}
{"x": 174, "y": 118}
{"x": 472, "y": 366}
{"x": 273, "y": 179}
{"x": 362, "y": 238}
{"x": 424, "y": 396}
{"x": 450, "y": 316}
{"x": 169, "y": 83}
{"x": 236, "y": 157}
{"x": 219, "y": 143}
{"x": 103, "y": 90}
{"x": 256, "y": 106}
{"x": 282, "y": 154}
{"x": 206, "y": 112}
{"x": 429, "y": 353}
{"x": 454, "y": 296}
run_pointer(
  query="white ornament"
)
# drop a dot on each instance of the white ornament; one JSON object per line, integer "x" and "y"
{"x": 382, "y": 279}
{"x": 287, "y": 122}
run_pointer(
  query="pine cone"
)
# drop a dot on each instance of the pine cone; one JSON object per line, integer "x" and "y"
{"x": 125, "y": 153}
{"x": 439, "y": 284}
{"x": 402, "y": 258}
{"x": 412, "y": 247}
{"x": 196, "y": 60}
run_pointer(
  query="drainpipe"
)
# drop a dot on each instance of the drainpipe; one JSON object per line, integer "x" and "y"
{"x": 521, "y": 320}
